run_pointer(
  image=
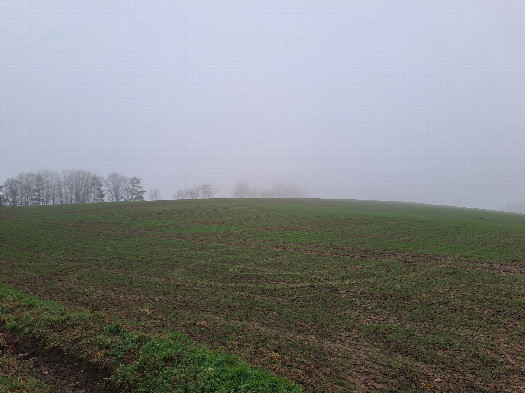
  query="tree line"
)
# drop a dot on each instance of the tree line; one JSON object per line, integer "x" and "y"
{"x": 80, "y": 186}
{"x": 76, "y": 186}
{"x": 204, "y": 191}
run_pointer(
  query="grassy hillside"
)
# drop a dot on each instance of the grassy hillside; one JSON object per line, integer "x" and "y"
{"x": 335, "y": 295}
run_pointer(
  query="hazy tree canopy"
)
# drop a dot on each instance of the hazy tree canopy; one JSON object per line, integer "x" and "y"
{"x": 204, "y": 191}
{"x": 207, "y": 191}
{"x": 51, "y": 188}
{"x": 116, "y": 187}
{"x": 96, "y": 187}
{"x": 80, "y": 186}
{"x": 154, "y": 195}
{"x": 243, "y": 190}
{"x": 74, "y": 186}
{"x": 11, "y": 191}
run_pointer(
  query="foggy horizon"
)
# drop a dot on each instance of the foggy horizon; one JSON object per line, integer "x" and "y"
{"x": 409, "y": 101}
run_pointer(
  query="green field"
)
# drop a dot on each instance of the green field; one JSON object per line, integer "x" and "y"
{"x": 335, "y": 296}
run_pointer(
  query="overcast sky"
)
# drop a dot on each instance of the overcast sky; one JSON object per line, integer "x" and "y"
{"x": 419, "y": 101}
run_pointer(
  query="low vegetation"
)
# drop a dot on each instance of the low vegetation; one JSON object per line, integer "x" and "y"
{"x": 336, "y": 296}
{"x": 125, "y": 361}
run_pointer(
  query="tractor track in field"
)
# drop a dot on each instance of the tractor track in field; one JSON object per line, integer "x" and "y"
{"x": 509, "y": 268}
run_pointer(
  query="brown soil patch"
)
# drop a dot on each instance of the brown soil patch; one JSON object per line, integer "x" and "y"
{"x": 66, "y": 373}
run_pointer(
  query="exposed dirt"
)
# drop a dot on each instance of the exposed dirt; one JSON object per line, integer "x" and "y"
{"x": 65, "y": 373}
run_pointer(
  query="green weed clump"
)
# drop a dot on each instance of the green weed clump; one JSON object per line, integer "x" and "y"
{"x": 175, "y": 365}
{"x": 138, "y": 362}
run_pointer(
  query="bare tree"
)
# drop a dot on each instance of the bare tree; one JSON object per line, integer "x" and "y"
{"x": 81, "y": 182}
{"x": 50, "y": 182}
{"x": 38, "y": 197}
{"x": 97, "y": 193}
{"x": 207, "y": 191}
{"x": 204, "y": 191}
{"x": 154, "y": 195}
{"x": 12, "y": 192}
{"x": 189, "y": 193}
{"x": 116, "y": 187}
{"x": 28, "y": 186}
{"x": 68, "y": 187}
{"x": 193, "y": 193}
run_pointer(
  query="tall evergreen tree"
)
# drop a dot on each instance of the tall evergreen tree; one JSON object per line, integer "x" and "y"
{"x": 135, "y": 190}
{"x": 96, "y": 189}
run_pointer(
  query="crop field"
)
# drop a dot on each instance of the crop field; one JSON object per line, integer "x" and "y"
{"x": 334, "y": 296}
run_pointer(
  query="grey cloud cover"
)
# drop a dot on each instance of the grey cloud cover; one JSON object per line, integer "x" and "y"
{"x": 418, "y": 101}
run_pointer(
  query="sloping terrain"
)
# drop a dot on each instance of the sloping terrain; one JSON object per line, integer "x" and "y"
{"x": 337, "y": 296}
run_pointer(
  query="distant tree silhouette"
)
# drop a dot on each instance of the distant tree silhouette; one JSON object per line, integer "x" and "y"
{"x": 135, "y": 191}
{"x": 73, "y": 186}
{"x": 204, "y": 191}
{"x": 243, "y": 190}
{"x": 154, "y": 195}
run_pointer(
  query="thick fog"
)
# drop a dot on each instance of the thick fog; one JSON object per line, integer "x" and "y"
{"x": 420, "y": 101}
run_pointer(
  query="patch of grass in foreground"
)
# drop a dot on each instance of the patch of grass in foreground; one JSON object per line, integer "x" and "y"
{"x": 140, "y": 363}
